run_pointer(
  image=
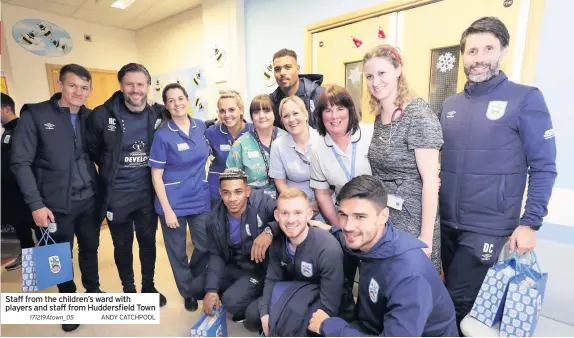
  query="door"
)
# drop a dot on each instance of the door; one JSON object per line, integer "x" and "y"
{"x": 428, "y": 37}
{"x": 430, "y": 43}
{"x": 338, "y": 58}
{"x": 104, "y": 82}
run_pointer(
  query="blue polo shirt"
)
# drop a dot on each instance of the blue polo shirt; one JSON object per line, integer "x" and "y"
{"x": 221, "y": 141}
{"x": 183, "y": 159}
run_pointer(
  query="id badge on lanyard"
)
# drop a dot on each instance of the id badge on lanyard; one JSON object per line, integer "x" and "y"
{"x": 351, "y": 175}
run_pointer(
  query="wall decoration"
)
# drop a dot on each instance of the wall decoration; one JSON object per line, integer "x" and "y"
{"x": 381, "y": 34}
{"x": 445, "y": 62}
{"x": 443, "y": 75}
{"x": 192, "y": 79}
{"x": 42, "y": 37}
{"x": 268, "y": 75}
{"x": 354, "y": 83}
{"x": 507, "y": 3}
{"x": 4, "y": 84}
{"x": 357, "y": 42}
{"x": 219, "y": 56}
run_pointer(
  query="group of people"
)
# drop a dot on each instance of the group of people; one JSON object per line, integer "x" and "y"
{"x": 294, "y": 202}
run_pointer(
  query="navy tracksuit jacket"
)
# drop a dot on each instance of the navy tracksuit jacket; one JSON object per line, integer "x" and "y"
{"x": 400, "y": 292}
{"x": 494, "y": 134}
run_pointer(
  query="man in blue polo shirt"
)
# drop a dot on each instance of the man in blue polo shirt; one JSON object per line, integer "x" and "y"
{"x": 178, "y": 157}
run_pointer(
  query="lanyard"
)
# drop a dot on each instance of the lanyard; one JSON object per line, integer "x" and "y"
{"x": 349, "y": 176}
{"x": 260, "y": 145}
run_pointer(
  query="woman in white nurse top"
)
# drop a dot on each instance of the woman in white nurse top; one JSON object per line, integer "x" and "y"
{"x": 341, "y": 151}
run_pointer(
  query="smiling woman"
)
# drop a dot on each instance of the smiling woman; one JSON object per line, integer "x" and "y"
{"x": 250, "y": 152}
{"x": 404, "y": 151}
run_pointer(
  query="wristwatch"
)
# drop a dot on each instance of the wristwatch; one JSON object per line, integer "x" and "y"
{"x": 268, "y": 230}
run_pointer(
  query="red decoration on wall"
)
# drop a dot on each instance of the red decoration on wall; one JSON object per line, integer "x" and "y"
{"x": 357, "y": 42}
{"x": 381, "y": 33}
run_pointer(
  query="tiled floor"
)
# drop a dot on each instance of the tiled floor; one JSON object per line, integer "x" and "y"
{"x": 175, "y": 321}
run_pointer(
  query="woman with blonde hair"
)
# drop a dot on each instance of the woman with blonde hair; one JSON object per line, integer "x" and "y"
{"x": 250, "y": 152}
{"x": 404, "y": 151}
{"x": 291, "y": 154}
{"x": 229, "y": 127}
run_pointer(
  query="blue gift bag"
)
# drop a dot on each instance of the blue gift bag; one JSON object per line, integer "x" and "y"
{"x": 489, "y": 303}
{"x": 211, "y": 326}
{"x": 524, "y": 301}
{"x": 46, "y": 265}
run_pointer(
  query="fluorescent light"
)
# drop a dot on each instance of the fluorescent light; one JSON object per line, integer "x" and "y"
{"x": 123, "y": 4}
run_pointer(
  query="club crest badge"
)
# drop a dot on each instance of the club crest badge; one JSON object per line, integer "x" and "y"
{"x": 496, "y": 109}
{"x": 373, "y": 290}
{"x": 55, "y": 266}
{"x": 307, "y": 269}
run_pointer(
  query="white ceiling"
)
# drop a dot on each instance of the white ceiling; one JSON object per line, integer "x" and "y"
{"x": 140, "y": 14}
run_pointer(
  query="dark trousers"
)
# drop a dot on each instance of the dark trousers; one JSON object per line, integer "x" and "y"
{"x": 239, "y": 292}
{"x": 24, "y": 233}
{"x": 83, "y": 222}
{"x": 129, "y": 209}
{"x": 466, "y": 258}
{"x": 175, "y": 240}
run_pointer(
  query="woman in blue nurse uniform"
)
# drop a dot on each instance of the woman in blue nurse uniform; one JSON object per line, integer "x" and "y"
{"x": 228, "y": 128}
{"x": 178, "y": 157}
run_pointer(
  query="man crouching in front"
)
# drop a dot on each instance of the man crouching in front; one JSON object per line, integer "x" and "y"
{"x": 239, "y": 235}
{"x": 400, "y": 292}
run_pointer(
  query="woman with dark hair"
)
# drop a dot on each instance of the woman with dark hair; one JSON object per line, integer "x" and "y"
{"x": 404, "y": 152}
{"x": 250, "y": 152}
{"x": 341, "y": 153}
{"x": 178, "y": 157}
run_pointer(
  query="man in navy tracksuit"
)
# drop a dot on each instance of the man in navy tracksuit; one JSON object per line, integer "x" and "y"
{"x": 496, "y": 135}
{"x": 301, "y": 253}
{"x": 55, "y": 175}
{"x": 400, "y": 293}
{"x": 239, "y": 234}
{"x": 289, "y": 82}
{"x": 120, "y": 133}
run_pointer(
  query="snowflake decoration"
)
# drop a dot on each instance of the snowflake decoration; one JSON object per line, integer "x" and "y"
{"x": 355, "y": 75}
{"x": 445, "y": 62}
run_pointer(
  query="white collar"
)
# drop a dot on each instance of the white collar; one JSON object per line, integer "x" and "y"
{"x": 193, "y": 125}
{"x": 354, "y": 138}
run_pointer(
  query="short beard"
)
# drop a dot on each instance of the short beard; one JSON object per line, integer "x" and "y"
{"x": 133, "y": 104}
{"x": 493, "y": 70}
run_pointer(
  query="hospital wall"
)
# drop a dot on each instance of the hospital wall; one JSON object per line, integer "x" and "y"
{"x": 110, "y": 48}
{"x": 554, "y": 76}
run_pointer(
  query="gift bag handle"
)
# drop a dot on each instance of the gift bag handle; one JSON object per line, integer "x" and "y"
{"x": 45, "y": 236}
{"x": 521, "y": 267}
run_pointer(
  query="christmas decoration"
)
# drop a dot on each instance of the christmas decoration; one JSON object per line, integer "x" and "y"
{"x": 381, "y": 33}
{"x": 357, "y": 42}
{"x": 355, "y": 75}
{"x": 445, "y": 62}
{"x": 268, "y": 76}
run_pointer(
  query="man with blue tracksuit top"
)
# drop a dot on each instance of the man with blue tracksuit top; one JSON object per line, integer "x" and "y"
{"x": 497, "y": 134}
{"x": 400, "y": 292}
{"x": 302, "y": 253}
{"x": 239, "y": 233}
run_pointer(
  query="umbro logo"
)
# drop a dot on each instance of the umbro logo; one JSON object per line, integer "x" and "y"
{"x": 49, "y": 126}
{"x": 283, "y": 263}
